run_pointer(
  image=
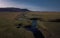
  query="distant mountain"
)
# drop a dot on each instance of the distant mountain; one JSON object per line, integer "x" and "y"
{"x": 13, "y": 10}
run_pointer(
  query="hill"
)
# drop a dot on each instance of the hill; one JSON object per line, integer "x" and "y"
{"x": 11, "y": 9}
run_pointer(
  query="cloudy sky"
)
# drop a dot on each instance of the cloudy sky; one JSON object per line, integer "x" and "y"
{"x": 35, "y": 5}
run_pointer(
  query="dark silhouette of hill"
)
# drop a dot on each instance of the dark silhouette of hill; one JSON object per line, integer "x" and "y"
{"x": 13, "y": 10}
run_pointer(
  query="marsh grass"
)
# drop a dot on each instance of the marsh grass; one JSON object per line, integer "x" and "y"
{"x": 8, "y": 25}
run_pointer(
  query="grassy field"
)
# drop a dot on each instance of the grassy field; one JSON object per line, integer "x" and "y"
{"x": 8, "y": 24}
{"x": 53, "y": 27}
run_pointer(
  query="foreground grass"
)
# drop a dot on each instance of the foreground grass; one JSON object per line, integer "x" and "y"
{"x": 9, "y": 30}
{"x": 54, "y": 27}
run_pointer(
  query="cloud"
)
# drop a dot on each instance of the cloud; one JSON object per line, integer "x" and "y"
{"x": 6, "y": 3}
{"x": 10, "y": 3}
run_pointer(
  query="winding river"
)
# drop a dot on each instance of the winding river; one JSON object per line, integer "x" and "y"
{"x": 37, "y": 33}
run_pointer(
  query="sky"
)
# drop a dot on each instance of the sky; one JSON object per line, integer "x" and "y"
{"x": 34, "y": 5}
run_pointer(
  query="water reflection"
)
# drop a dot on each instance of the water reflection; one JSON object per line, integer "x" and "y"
{"x": 37, "y": 33}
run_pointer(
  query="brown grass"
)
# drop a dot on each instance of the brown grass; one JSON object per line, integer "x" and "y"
{"x": 9, "y": 30}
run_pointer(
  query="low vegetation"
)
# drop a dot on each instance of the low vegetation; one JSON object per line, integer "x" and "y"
{"x": 8, "y": 24}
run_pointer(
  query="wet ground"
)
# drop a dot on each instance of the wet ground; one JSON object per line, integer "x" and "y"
{"x": 37, "y": 33}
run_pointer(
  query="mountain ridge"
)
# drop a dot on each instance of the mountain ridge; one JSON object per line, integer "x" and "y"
{"x": 11, "y": 9}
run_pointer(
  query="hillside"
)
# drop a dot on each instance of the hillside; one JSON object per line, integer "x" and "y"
{"x": 11, "y": 9}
